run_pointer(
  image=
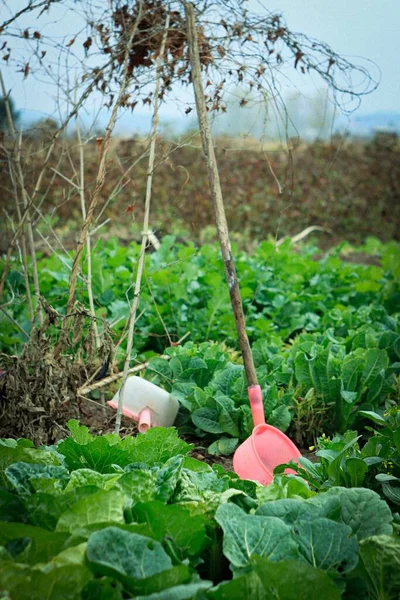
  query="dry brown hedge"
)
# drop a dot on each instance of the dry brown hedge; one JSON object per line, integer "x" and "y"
{"x": 350, "y": 187}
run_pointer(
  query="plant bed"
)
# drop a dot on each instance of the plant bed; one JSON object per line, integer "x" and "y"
{"x": 105, "y": 517}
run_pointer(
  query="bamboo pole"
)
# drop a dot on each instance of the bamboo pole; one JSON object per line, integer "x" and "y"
{"x": 23, "y": 250}
{"x": 145, "y": 232}
{"x": 215, "y": 187}
{"x": 89, "y": 238}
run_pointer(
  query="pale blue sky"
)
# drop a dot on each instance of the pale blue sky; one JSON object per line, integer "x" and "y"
{"x": 354, "y": 28}
{"x": 368, "y": 29}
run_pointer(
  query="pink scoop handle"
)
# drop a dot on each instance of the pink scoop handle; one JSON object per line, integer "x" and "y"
{"x": 144, "y": 420}
{"x": 256, "y": 404}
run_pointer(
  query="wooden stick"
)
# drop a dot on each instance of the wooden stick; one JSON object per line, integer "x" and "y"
{"x": 81, "y": 188}
{"x": 24, "y": 253}
{"x": 300, "y": 236}
{"x": 215, "y": 186}
{"x": 145, "y": 232}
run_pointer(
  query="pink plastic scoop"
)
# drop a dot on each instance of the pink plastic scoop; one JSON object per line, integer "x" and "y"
{"x": 265, "y": 449}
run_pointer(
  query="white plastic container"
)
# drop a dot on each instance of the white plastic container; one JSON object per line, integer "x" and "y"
{"x": 147, "y": 404}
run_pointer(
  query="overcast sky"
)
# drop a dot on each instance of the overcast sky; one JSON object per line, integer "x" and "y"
{"x": 354, "y": 28}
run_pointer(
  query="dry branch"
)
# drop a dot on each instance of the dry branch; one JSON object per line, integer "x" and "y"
{"x": 86, "y": 389}
{"x": 216, "y": 192}
{"x": 303, "y": 234}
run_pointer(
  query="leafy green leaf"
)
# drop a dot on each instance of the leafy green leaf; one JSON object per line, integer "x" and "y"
{"x": 96, "y": 454}
{"x": 22, "y": 476}
{"x": 105, "y": 588}
{"x": 319, "y": 372}
{"x": 380, "y": 556}
{"x": 12, "y": 508}
{"x": 327, "y": 545}
{"x": 294, "y": 580}
{"x": 349, "y": 397}
{"x": 284, "y": 486}
{"x": 248, "y": 535}
{"x": 74, "y": 555}
{"x": 92, "y": 511}
{"x": 139, "y": 562}
{"x": 176, "y": 523}
{"x": 302, "y": 370}
{"x": 359, "y": 508}
{"x": 202, "y": 487}
{"x": 41, "y": 545}
{"x": 179, "y": 592}
{"x": 375, "y": 361}
{"x": 280, "y": 417}
{"x": 85, "y": 477}
{"x": 223, "y": 446}
{"x": 286, "y": 580}
{"x": 356, "y": 470}
{"x": 25, "y": 583}
{"x": 290, "y": 510}
{"x": 228, "y": 416}
{"x": 79, "y": 433}
{"x": 207, "y": 420}
{"x": 158, "y": 445}
{"x": 391, "y": 492}
{"x": 351, "y": 373}
{"x": 161, "y": 367}
{"x": 225, "y": 379}
{"x": 373, "y": 416}
{"x": 168, "y": 477}
{"x": 22, "y": 451}
{"x": 126, "y": 554}
{"x": 45, "y": 509}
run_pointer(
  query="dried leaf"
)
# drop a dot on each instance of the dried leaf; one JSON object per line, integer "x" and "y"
{"x": 87, "y": 44}
{"x": 299, "y": 56}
